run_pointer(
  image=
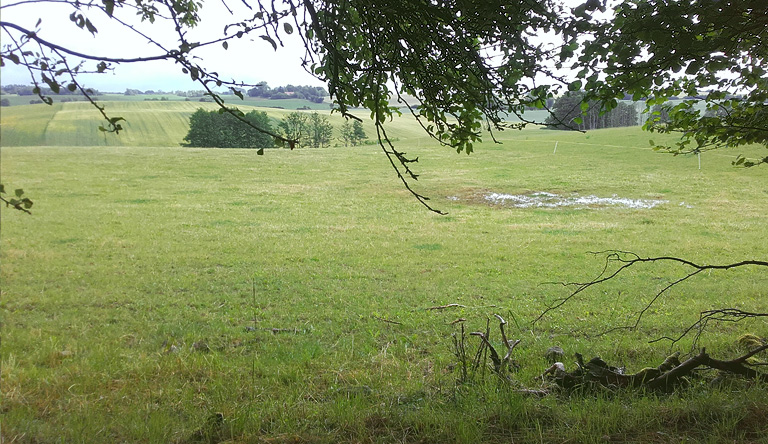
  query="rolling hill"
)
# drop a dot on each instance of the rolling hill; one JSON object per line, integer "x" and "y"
{"x": 148, "y": 123}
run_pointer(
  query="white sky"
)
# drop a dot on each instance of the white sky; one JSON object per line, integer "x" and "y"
{"x": 250, "y": 60}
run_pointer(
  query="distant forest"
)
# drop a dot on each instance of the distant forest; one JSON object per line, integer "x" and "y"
{"x": 29, "y": 90}
{"x": 314, "y": 94}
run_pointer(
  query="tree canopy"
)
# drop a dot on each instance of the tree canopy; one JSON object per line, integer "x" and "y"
{"x": 308, "y": 129}
{"x": 459, "y": 66}
{"x": 212, "y": 129}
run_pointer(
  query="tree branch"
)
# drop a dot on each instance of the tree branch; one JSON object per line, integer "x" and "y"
{"x": 627, "y": 259}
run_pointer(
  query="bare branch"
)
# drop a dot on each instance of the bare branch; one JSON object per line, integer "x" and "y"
{"x": 627, "y": 259}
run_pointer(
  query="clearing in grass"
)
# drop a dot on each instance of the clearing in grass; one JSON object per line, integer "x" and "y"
{"x": 182, "y": 295}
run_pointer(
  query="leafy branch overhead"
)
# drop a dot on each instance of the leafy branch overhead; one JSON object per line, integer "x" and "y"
{"x": 19, "y": 201}
{"x": 460, "y": 68}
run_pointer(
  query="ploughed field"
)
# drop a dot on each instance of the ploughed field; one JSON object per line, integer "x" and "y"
{"x": 166, "y": 294}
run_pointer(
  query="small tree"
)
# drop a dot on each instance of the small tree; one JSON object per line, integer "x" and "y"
{"x": 352, "y": 133}
{"x": 320, "y": 130}
{"x": 346, "y": 133}
{"x": 358, "y": 133}
{"x": 294, "y": 126}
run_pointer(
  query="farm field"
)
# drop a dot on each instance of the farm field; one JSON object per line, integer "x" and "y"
{"x": 16, "y": 100}
{"x": 167, "y": 294}
{"x": 147, "y": 124}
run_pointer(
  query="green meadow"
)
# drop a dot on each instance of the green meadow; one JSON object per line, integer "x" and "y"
{"x": 163, "y": 294}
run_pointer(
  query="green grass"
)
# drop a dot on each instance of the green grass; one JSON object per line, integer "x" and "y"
{"x": 134, "y": 254}
{"x": 155, "y": 123}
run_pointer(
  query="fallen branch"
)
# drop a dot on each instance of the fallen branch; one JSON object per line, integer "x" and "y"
{"x": 284, "y": 330}
{"x": 500, "y": 365}
{"x": 721, "y": 315}
{"x": 443, "y": 307}
{"x": 626, "y": 260}
{"x": 666, "y": 377}
{"x": 386, "y": 320}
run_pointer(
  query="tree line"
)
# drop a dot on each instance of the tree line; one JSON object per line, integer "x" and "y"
{"x": 32, "y": 90}
{"x": 314, "y": 94}
{"x": 214, "y": 129}
{"x": 573, "y": 112}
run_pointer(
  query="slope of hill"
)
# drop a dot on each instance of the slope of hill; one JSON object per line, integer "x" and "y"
{"x": 148, "y": 123}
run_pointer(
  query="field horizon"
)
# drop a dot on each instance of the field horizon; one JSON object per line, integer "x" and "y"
{"x": 168, "y": 294}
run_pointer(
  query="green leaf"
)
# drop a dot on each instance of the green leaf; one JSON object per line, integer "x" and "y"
{"x": 109, "y": 7}
{"x": 19, "y": 192}
{"x": 90, "y": 27}
{"x": 652, "y": 142}
{"x": 574, "y": 86}
{"x": 269, "y": 39}
{"x": 260, "y": 152}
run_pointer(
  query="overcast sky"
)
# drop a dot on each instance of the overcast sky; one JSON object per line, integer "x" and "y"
{"x": 250, "y": 60}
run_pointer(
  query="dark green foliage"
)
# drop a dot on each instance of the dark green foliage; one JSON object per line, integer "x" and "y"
{"x": 706, "y": 50}
{"x": 464, "y": 66}
{"x": 433, "y": 51}
{"x": 571, "y": 112}
{"x": 213, "y": 129}
{"x": 659, "y": 114}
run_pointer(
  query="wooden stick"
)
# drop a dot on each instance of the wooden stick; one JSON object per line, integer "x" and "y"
{"x": 443, "y": 307}
{"x": 386, "y": 320}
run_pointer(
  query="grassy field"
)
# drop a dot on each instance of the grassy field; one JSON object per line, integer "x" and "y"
{"x": 156, "y": 286}
{"x": 15, "y": 100}
{"x": 153, "y": 124}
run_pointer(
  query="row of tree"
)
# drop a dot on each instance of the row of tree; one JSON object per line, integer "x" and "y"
{"x": 571, "y": 112}
{"x": 314, "y": 94}
{"x": 209, "y": 129}
{"x": 29, "y": 90}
